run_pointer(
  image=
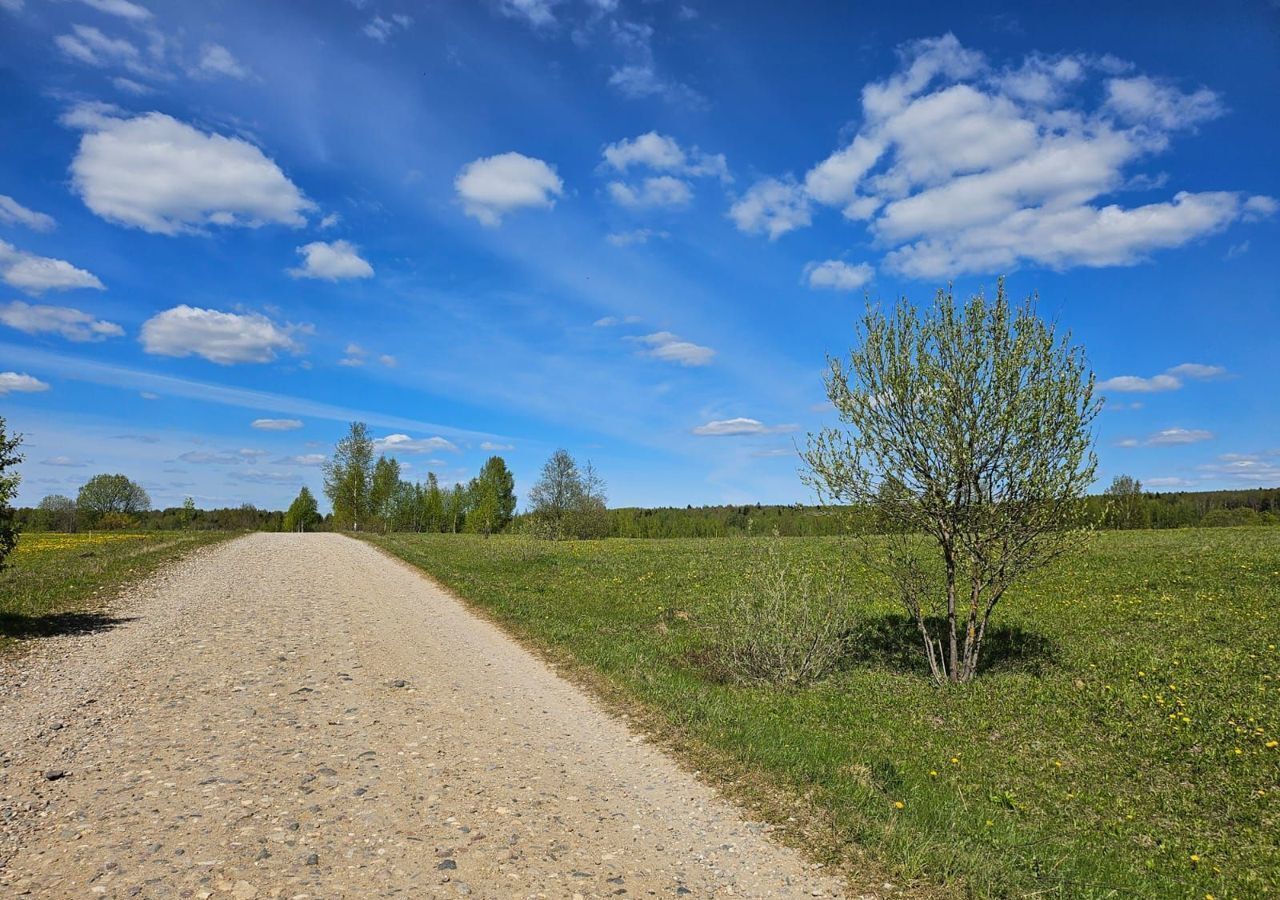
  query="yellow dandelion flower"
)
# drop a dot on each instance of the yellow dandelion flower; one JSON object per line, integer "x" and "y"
{"x": 898, "y": 804}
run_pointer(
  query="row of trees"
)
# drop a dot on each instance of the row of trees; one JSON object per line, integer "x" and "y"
{"x": 369, "y": 494}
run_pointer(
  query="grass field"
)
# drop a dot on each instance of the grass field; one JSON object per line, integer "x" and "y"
{"x": 1122, "y": 744}
{"x": 56, "y": 583}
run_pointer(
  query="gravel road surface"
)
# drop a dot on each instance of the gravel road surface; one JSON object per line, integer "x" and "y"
{"x": 301, "y": 716}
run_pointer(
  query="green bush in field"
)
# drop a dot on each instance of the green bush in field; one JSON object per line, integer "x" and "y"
{"x": 9, "y": 457}
{"x": 786, "y": 622}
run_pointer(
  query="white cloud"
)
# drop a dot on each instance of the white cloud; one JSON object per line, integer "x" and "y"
{"x": 957, "y": 167}
{"x": 491, "y": 446}
{"x": 668, "y": 347}
{"x": 64, "y": 461}
{"x": 331, "y": 261}
{"x": 402, "y": 443}
{"x": 1167, "y": 481}
{"x": 72, "y": 324}
{"x": 635, "y": 236}
{"x": 90, "y": 46}
{"x": 17, "y": 383}
{"x": 492, "y": 186}
{"x": 739, "y": 426}
{"x": 838, "y": 275}
{"x": 381, "y": 29}
{"x": 1141, "y": 100}
{"x": 537, "y": 13}
{"x": 610, "y": 321}
{"x": 14, "y": 213}
{"x": 388, "y": 360}
{"x": 664, "y": 154}
{"x": 656, "y": 191}
{"x": 771, "y": 207}
{"x": 163, "y": 176}
{"x": 330, "y": 220}
{"x": 276, "y": 424}
{"x": 1170, "y": 437}
{"x": 122, "y": 8}
{"x": 129, "y": 86}
{"x": 305, "y": 459}
{"x": 37, "y": 274}
{"x": 638, "y": 77}
{"x": 1248, "y": 468}
{"x": 216, "y": 60}
{"x": 220, "y": 337}
{"x": 1170, "y": 380}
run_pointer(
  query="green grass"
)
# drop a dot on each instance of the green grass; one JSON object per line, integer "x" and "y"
{"x": 57, "y": 583}
{"x": 1119, "y": 749}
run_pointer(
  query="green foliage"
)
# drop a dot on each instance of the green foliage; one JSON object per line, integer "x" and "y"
{"x": 303, "y": 513}
{"x": 348, "y": 478}
{"x": 102, "y": 495}
{"x": 492, "y": 497}
{"x": 787, "y": 623}
{"x": 383, "y": 490}
{"x": 1094, "y": 757}
{"x": 56, "y": 512}
{"x": 970, "y": 425}
{"x": 9, "y": 480}
{"x": 568, "y": 502}
{"x": 1125, "y": 507}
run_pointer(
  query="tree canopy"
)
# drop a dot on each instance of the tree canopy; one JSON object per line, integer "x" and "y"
{"x": 113, "y": 495}
{"x": 968, "y": 429}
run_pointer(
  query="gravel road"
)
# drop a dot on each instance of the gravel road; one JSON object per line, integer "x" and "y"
{"x": 301, "y": 716}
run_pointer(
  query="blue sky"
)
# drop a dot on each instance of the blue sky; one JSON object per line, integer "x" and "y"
{"x": 631, "y": 228}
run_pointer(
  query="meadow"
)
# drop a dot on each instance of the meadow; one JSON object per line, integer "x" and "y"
{"x": 1122, "y": 741}
{"x": 56, "y": 583}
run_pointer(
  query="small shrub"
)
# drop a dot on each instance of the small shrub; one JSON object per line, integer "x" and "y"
{"x": 115, "y": 521}
{"x": 787, "y": 624}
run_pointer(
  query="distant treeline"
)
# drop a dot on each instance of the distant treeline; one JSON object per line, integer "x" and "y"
{"x": 1182, "y": 509}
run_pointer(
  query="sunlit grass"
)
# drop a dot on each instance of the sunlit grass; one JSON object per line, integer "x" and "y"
{"x": 1122, "y": 744}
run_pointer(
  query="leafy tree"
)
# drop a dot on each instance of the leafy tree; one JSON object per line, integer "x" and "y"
{"x": 969, "y": 435}
{"x": 431, "y": 501}
{"x": 1126, "y": 507}
{"x": 382, "y": 490}
{"x": 567, "y": 501}
{"x": 189, "y": 511}
{"x": 456, "y": 507}
{"x": 493, "y": 497}
{"x": 9, "y": 480}
{"x": 348, "y": 476}
{"x": 303, "y": 513}
{"x": 56, "y": 512}
{"x": 103, "y": 494}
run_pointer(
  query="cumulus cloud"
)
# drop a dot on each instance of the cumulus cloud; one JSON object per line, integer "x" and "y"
{"x": 14, "y": 213}
{"x": 663, "y": 153}
{"x": 217, "y": 61}
{"x": 1169, "y": 380}
{"x": 656, "y": 191}
{"x": 331, "y": 261}
{"x": 492, "y": 186}
{"x": 276, "y": 424}
{"x": 220, "y": 337}
{"x": 657, "y": 153}
{"x": 739, "y": 426}
{"x": 402, "y": 443}
{"x": 19, "y": 383}
{"x": 37, "y": 274}
{"x": 668, "y": 347}
{"x": 959, "y": 166}
{"x": 772, "y": 207}
{"x": 72, "y": 324}
{"x": 163, "y": 176}
{"x": 1248, "y": 468}
{"x": 837, "y": 275}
